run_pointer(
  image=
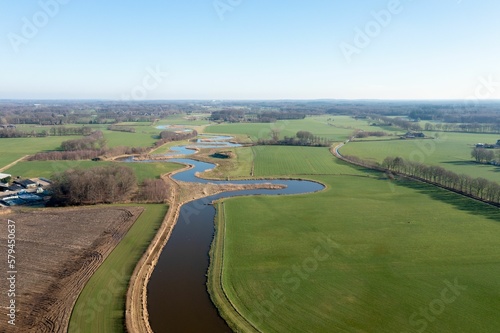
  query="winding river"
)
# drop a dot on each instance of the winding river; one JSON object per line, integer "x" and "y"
{"x": 178, "y": 300}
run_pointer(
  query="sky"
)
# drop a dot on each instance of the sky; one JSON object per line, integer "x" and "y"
{"x": 249, "y": 49}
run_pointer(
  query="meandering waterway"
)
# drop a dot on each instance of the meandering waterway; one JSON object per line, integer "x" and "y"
{"x": 178, "y": 300}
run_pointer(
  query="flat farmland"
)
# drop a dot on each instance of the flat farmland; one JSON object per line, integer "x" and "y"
{"x": 365, "y": 255}
{"x": 449, "y": 150}
{"x": 13, "y": 149}
{"x": 184, "y": 119}
{"x": 46, "y": 169}
{"x": 316, "y": 125}
{"x": 284, "y": 160}
{"x": 57, "y": 251}
{"x": 145, "y": 136}
{"x": 94, "y": 312}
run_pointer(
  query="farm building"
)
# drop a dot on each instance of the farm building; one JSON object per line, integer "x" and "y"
{"x": 4, "y": 176}
{"x": 26, "y": 183}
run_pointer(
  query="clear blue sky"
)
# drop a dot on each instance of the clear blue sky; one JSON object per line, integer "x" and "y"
{"x": 261, "y": 49}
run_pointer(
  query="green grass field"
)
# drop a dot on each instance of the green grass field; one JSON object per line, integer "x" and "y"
{"x": 13, "y": 149}
{"x": 450, "y": 150}
{"x": 365, "y": 255}
{"x": 48, "y": 168}
{"x": 273, "y": 160}
{"x": 101, "y": 305}
{"x": 145, "y": 136}
{"x": 182, "y": 119}
{"x": 316, "y": 125}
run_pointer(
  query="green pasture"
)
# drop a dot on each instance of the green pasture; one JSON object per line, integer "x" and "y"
{"x": 183, "y": 119}
{"x": 365, "y": 255}
{"x": 449, "y": 150}
{"x": 317, "y": 125}
{"x": 46, "y": 169}
{"x": 101, "y": 305}
{"x": 15, "y": 148}
{"x": 285, "y": 160}
{"x": 145, "y": 136}
{"x": 232, "y": 168}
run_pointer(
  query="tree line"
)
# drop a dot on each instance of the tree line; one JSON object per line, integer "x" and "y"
{"x": 169, "y": 136}
{"x": 54, "y": 131}
{"x": 475, "y": 187}
{"x": 366, "y": 134}
{"x": 492, "y": 127}
{"x": 117, "y": 128}
{"x": 302, "y": 138}
{"x": 397, "y": 121}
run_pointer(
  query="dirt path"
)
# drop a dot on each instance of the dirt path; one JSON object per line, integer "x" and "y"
{"x": 13, "y": 163}
{"x": 136, "y": 316}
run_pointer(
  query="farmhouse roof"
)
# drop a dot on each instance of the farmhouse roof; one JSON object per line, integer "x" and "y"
{"x": 25, "y": 183}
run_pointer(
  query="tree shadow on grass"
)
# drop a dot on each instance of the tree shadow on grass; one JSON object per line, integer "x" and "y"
{"x": 472, "y": 163}
{"x": 458, "y": 201}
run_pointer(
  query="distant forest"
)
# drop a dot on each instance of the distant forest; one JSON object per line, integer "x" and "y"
{"x": 471, "y": 116}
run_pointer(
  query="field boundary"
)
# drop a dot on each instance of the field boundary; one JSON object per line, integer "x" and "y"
{"x": 226, "y": 308}
{"x": 335, "y": 151}
{"x": 136, "y": 311}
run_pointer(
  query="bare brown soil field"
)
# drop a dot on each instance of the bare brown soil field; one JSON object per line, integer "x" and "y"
{"x": 57, "y": 251}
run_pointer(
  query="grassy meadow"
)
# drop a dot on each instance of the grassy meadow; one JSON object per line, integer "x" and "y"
{"x": 317, "y": 125}
{"x": 46, "y": 169}
{"x": 15, "y": 148}
{"x": 101, "y": 305}
{"x": 449, "y": 150}
{"x": 364, "y": 255}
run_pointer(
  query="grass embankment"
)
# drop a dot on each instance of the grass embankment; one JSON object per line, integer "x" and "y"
{"x": 365, "y": 255}
{"x": 101, "y": 305}
{"x": 450, "y": 151}
{"x": 215, "y": 281}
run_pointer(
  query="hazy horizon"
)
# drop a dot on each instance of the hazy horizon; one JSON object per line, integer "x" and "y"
{"x": 250, "y": 50}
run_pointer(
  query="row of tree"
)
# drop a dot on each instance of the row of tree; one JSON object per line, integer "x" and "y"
{"x": 117, "y": 128}
{"x": 476, "y": 187}
{"x": 169, "y": 136}
{"x": 87, "y": 154}
{"x": 302, "y": 138}
{"x": 15, "y": 133}
{"x": 493, "y": 127}
{"x": 54, "y": 131}
{"x": 366, "y": 134}
{"x": 397, "y": 121}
